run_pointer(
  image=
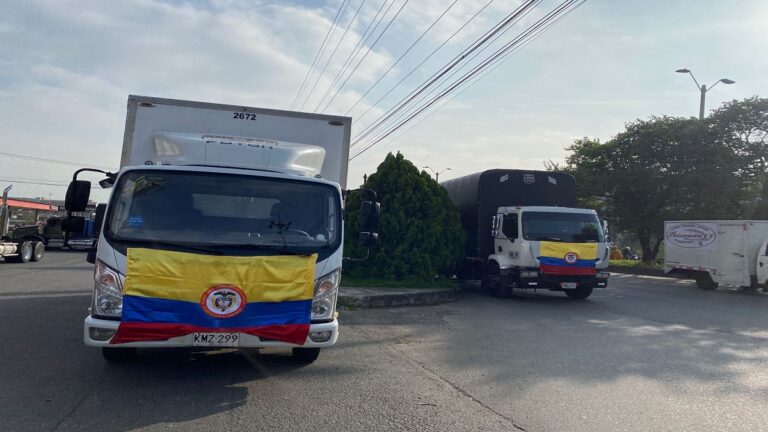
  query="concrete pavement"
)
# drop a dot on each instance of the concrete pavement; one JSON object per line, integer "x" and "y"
{"x": 646, "y": 354}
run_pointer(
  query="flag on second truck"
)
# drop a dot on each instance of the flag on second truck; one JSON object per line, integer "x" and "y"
{"x": 568, "y": 258}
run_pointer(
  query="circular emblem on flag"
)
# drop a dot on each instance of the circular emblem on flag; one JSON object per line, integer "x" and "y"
{"x": 223, "y": 301}
{"x": 571, "y": 257}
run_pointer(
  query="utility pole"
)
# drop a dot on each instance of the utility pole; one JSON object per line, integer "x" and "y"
{"x": 703, "y": 88}
{"x": 437, "y": 173}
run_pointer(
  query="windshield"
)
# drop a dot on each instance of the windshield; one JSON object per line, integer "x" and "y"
{"x": 213, "y": 209}
{"x": 562, "y": 227}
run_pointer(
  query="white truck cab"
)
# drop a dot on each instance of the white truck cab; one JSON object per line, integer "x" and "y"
{"x": 518, "y": 234}
{"x": 524, "y": 232}
{"x": 227, "y": 182}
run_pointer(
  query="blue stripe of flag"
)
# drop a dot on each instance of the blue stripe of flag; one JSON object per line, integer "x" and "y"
{"x": 155, "y": 310}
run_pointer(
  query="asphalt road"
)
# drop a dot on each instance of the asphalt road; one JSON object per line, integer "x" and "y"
{"x": 648, "y": 354}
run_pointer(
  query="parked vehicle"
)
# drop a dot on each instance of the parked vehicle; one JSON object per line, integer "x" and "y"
{"x": 21, "y": 245}
{"x": 524, "y": 232}
{"x": 714, "y": 252}
{"x": 242, "y": 209}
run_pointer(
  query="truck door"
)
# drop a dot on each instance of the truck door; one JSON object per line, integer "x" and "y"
{"x": 733, "y": 266}
{"x": 762, "y": 265}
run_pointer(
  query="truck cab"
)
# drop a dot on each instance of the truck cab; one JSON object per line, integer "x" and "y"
{"x": 224, "y": 228}
{"x": 554, "y": 248}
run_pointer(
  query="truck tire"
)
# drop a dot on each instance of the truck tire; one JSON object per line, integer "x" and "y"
{"x": 580, "y": 293}
{"x": 704, "y": 281}
{"x": 494, "y": 283}
{"x": 38, "y": 250}
{"x": 118, "y": 355}
{"x": 306, "y": 355}
{"x": 24, "y": 255}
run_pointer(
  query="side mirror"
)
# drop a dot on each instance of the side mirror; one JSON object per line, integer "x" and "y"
{"x": 77, "y": 196}
{"x": 369, "y": 223}
{"x": 495, "y": 224}
{"x": 101, "y": 209}
{"x": 98, "y": 223}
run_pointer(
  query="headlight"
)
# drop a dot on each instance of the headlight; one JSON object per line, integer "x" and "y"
{"x": 326, "y": 291}
{"x": 107, "y": 292}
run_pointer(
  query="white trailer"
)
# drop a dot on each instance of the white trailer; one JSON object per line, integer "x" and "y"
{"x": 714, "y": 252}
{"x": 231, "y": 181}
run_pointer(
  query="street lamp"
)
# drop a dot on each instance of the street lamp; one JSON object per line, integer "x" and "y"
{"x": 703, "y": 88}
{"x": 437, "y": 173}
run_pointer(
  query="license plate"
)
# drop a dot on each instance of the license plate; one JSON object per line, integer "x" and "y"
{"x": 215, "y": 339}
{"x": 569, "y": 285}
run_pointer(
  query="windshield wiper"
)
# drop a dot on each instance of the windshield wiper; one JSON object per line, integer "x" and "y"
{"x": 195, "y": 248}
{"x": 250, "y": 246}
{"x": 547, "y": 238}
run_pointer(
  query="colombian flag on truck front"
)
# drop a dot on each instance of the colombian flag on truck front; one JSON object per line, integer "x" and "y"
{"x": 573, "y": 259}
{"x": 169, "y": 294}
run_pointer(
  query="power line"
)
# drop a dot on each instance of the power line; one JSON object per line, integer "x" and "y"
{"x": 319, "y": 51}
{"x": 56, "y": 161}
{"x": 34, "y": 181}
{"x": 328, "y": 61}
{"x": 362, "y": 43}
{"x": 504, "y": 50}
{"x": 437, "y": 86}
{"x": 362, "y": 58}
{"x": 423, "y": 61}
{"x": 523, "y": 38}
{"x": 445, "y": 69}
{"x": 488, "y": 72}
{"x": 402, "y": 55}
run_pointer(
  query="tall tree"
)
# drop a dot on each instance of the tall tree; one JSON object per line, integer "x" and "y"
{"x": 421, "y": 234}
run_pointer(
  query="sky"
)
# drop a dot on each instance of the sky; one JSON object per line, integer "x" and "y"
{"x": 67, "y": 68}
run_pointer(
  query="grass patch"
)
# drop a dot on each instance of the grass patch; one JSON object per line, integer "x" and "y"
{"x": 637, "y": 263}
{"x": 358, "y": 282}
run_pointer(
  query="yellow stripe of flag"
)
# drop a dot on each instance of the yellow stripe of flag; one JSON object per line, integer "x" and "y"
{"x": 185, "y": 276}
{"x": 586, "y": 251}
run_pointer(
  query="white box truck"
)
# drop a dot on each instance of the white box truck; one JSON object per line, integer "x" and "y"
{"x": 214, "y": 217}
{"x": 714, "y": 252}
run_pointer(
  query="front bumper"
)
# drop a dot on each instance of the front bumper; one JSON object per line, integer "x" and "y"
{"x": 246, "y": 341}
{"x": 552, "y": 282}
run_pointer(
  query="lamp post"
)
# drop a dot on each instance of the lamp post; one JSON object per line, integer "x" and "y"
{"x": 703, "y": 88}
{"x": 437, "y": 173}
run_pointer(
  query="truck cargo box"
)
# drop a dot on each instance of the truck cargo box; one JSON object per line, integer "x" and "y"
{"x": 728, "y": 250}
{"x": 478, "y": 196}
{"x": 156, "y": 125}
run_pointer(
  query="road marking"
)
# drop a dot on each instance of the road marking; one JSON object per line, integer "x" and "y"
{"x": 14, "y": 296}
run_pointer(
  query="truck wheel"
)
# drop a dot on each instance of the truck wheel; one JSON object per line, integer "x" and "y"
{"x": 493, "y": 282}
{"x": 306, "y": 355}
{"x": 38, "y": 251}
{"x": 118, "y": 355}
{"x": 705, "y": 282}
{"x": 25, "y": 253}
{"x": 579, "y": 293}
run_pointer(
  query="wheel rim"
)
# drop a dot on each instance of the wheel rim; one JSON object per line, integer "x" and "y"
{"x": 39, "y": 248}
{"x": 26, "y": 251}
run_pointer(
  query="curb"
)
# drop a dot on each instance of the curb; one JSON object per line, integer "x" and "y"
{"x": 637, "y": 271}
{"x": 416, "y": 297}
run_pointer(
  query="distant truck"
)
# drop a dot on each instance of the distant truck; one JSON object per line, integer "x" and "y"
{"x": 524, "y": 232}
{"x": 714, "y": 252}
{"x": 23, "y": 244}
{"x": 224, "y": 228}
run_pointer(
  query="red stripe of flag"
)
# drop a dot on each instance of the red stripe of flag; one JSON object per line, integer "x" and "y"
{"x": 569, "y": 271}
{"x": 142, "y": 332}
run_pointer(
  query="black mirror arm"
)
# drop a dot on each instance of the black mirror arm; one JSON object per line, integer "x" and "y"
{"x": 365, "y": 257}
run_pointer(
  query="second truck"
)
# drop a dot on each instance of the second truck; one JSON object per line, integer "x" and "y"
{"x": 525, "y": 232}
